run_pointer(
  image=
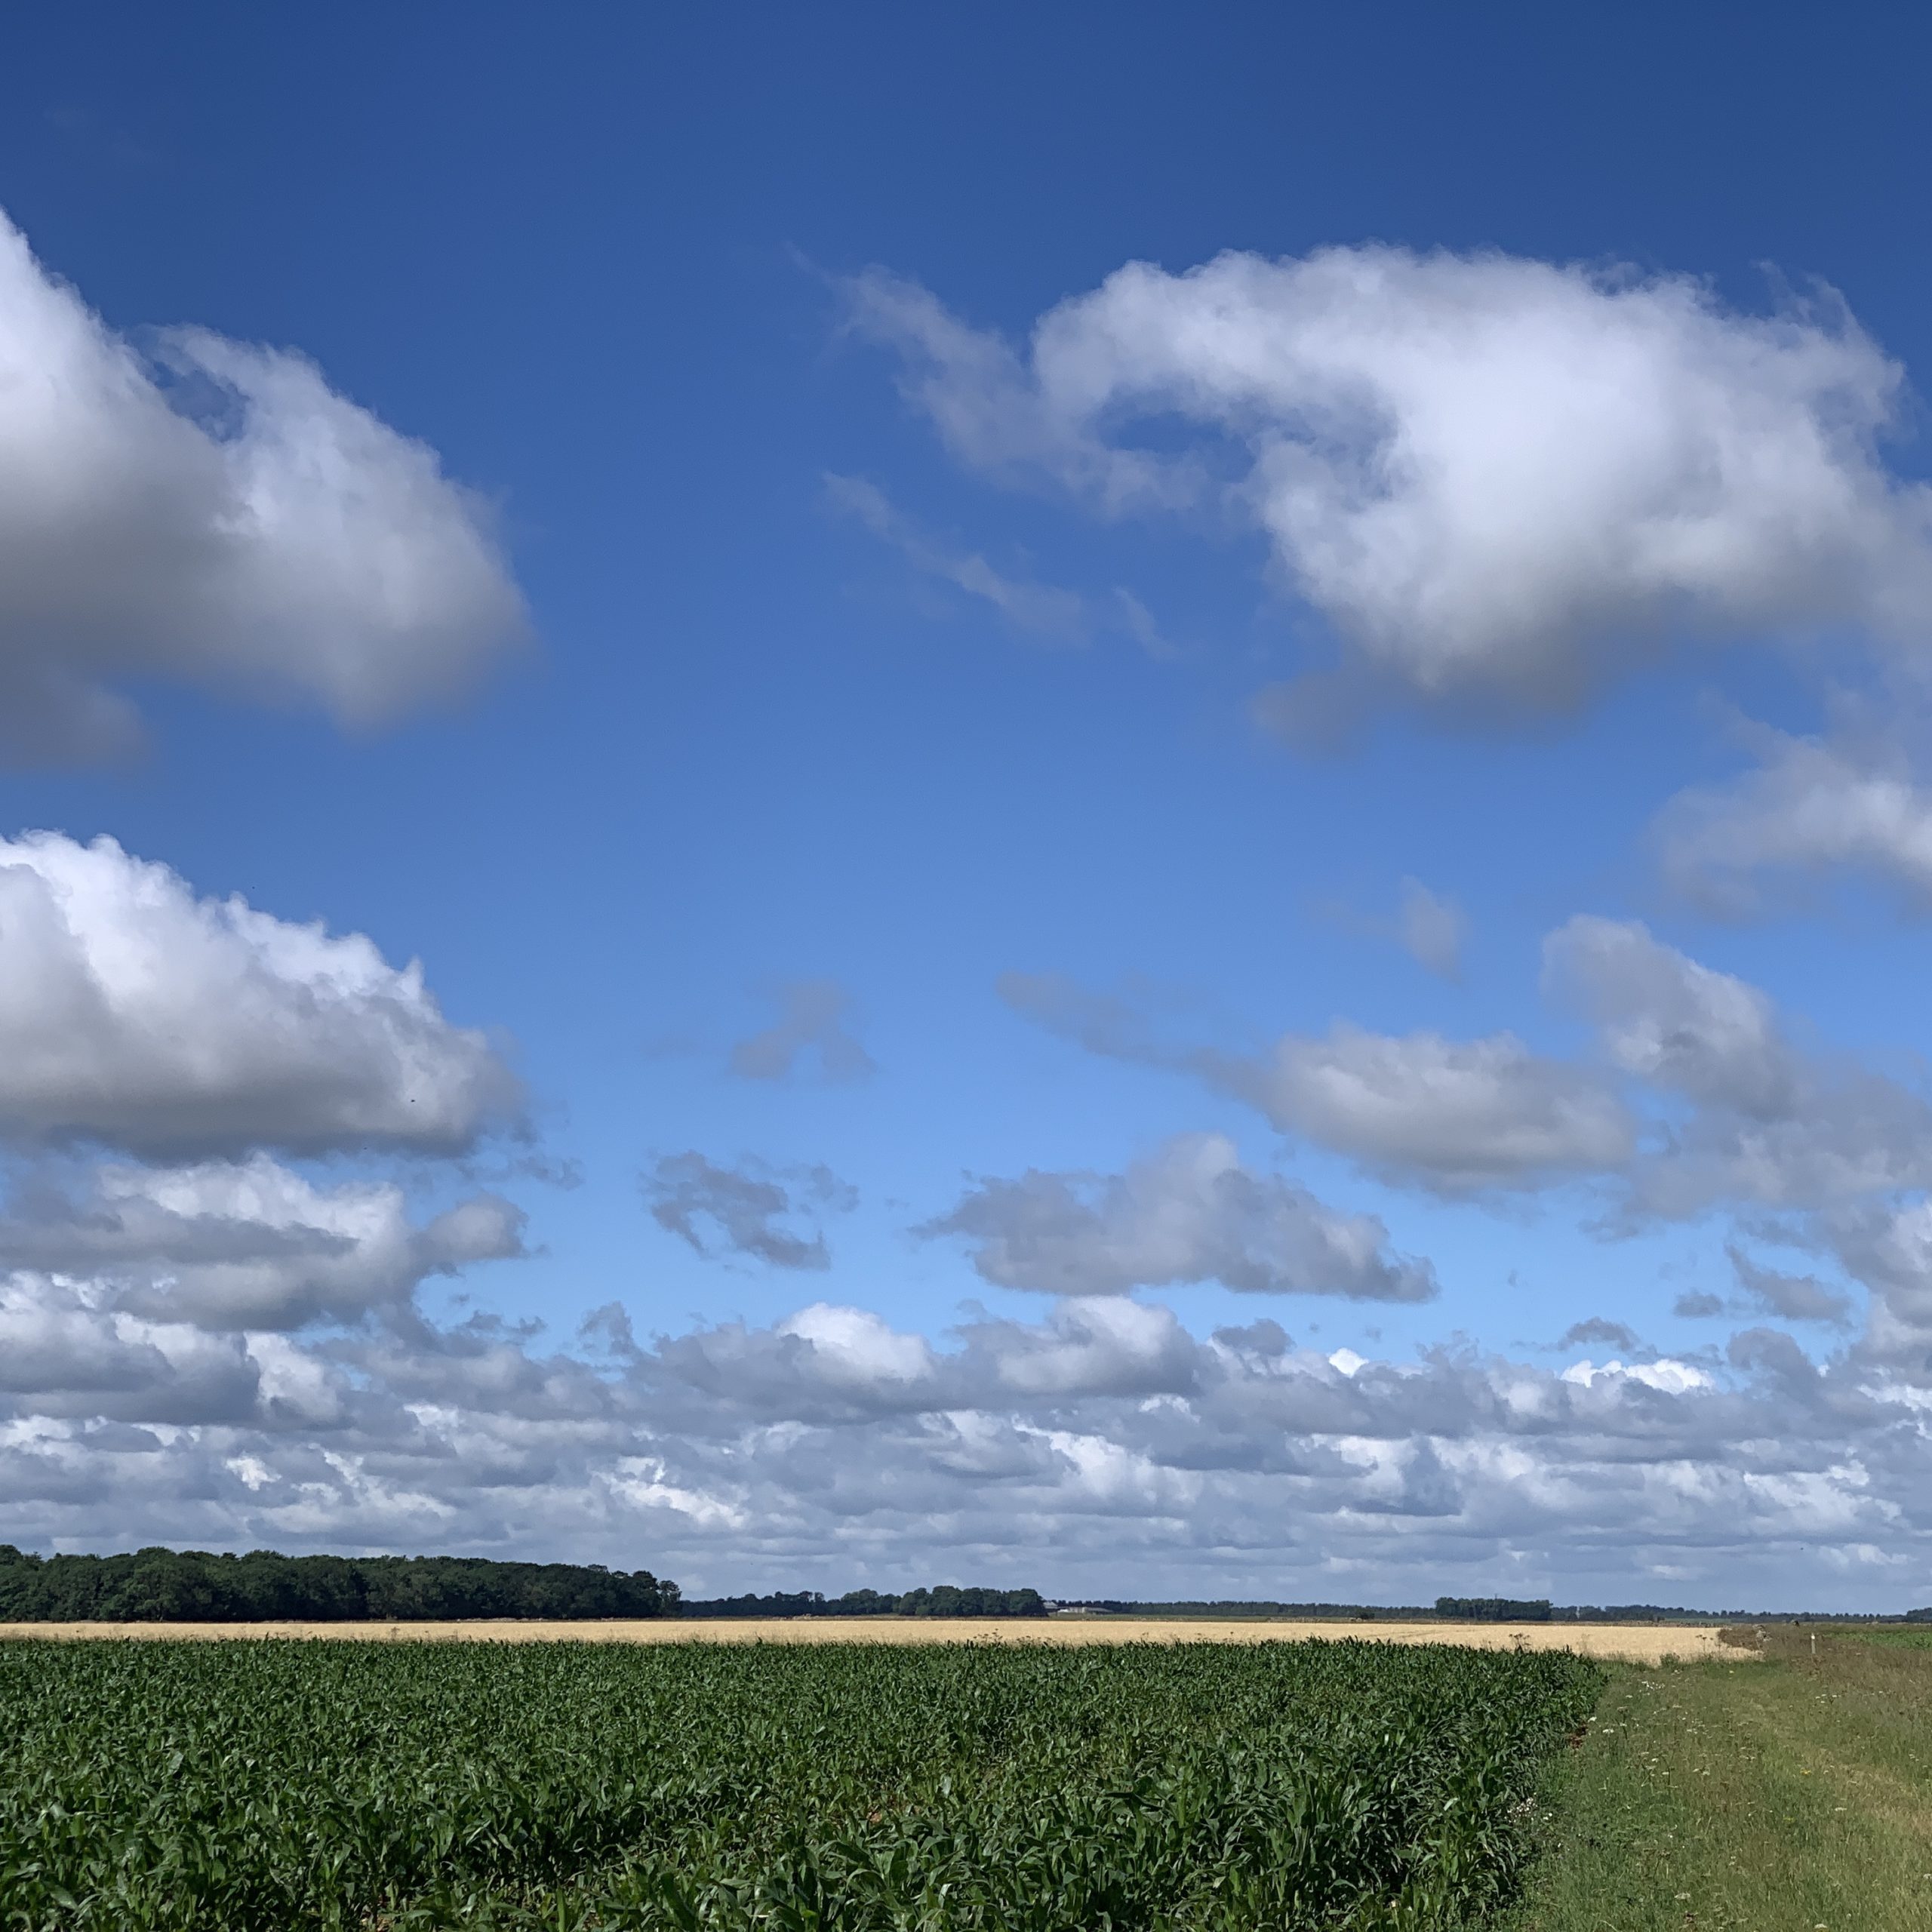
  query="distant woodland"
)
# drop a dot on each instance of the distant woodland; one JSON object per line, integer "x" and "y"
{"x": 159, "y": 1585}
{"x": 192, "y": 1586}
{"x": 948, "y": 1600}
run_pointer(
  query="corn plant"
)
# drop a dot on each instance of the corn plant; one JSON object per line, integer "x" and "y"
{"x": 1339, "y": 1787}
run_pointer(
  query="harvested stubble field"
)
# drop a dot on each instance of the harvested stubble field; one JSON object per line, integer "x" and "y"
{"x": 847, "y": 1787}
{"x": 1628, "y": 1643}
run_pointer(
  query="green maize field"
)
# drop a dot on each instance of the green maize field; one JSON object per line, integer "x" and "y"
{"x": 239, "y": 1786}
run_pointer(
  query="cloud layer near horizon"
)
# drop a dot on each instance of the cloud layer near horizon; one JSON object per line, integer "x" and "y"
{"x": 228, "y": 1350}
{"x": 830, "y": 1447}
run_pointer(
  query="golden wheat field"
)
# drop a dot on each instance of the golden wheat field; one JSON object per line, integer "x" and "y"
{"x": 1630, "y": 1643}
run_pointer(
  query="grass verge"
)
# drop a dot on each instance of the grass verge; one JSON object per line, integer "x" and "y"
{"x": 1781, "y": 1796}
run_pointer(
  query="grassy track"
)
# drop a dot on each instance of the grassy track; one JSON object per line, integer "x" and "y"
{"x": 1778, "y": 1797}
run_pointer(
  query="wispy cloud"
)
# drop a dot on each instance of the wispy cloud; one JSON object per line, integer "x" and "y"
{"x": 1432, "y": 928}
{"x": 722, "y": 1208}
{"x": 811, "y": 1026}
{"x": 1140, "y": 624}
{"x": 1039, "y": 609}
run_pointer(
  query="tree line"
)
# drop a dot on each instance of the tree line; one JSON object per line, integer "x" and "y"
{"x": 1494, "y": 1610}
{"x": 946, "y": 1600}
{"x": 158, "y": 1586}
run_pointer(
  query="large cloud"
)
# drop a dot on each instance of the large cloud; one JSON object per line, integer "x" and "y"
{"x": 1498, "y": 479}
{"x": 134, "y": 1014}
{"x": 213, "y": 512}
{"x": 1190, "y": 1212}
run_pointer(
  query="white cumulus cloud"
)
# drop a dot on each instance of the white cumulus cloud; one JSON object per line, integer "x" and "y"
{"x": 211, "y": 511}
{"x": 1499, "y": 479}
{"x": 135, "y": 1014}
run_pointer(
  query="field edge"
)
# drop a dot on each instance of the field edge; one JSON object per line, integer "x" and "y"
{"x": 1638, "y": 1644}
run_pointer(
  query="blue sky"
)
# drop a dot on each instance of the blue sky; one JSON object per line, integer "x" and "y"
{"x": 726, "y": 540}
